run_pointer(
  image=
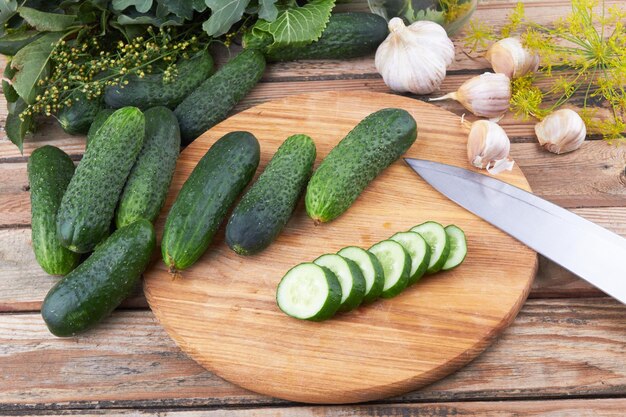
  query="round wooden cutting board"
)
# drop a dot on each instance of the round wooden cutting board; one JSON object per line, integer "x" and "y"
{"x": 223, "y": 313}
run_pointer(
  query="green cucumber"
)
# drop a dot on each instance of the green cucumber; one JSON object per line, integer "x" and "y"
{"x": 76, "y": 118}
{"x": 98, "y": 121}
{"x": 89, "y": 203}
{"x": 150, "y": 178}
{"x": 396, "y": 263}
{"x": 10, "y": 44}
{"x": 212, "y": 100}
{"x": 350, "y": 278}
{"x": 435, "y": 235}
{"x": 371, "y": 269}
{"x": 49, "y": 173}
{"x": 458, "y": 247}
{"x": 152, "y": 91}
{"x": 205, "y": 198}
{"x": 93, "y": 290}
{"x": 347, "y": 35}
{"x": 309, "y": 292}
{"x": 375, "y": 143}
{"x": 265, "y": 209}
{"x": 7, "y": 88}
{"x": 419, "y": 251}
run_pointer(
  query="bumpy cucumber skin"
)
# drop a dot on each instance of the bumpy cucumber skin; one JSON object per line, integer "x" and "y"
{"x": 88, "y": 205}
{"x": 98, "y": 121}
{"x": 375, "y": 143}
{"x": 77, "y": 118}
{"x": 347, "y": 35}
{"x": 151, "y": 91}
{"x": 203, "y": 201}
{"x": 94, "y": 289}
{"x": 212, "y": 100}
{"x": 266, "y": 208}
{"x": 49, "y": 173}
{"x": 150, "y": 178}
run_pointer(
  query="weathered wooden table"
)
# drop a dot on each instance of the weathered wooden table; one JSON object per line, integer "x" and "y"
{"x": 564, "y": 355}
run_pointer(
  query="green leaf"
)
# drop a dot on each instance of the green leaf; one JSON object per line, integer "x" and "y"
{"x": 148, "y": 19}
{"x": 296, "y": 26}
{"x": 142, "y": 6}
{"x": 225, "y": 13}
{"x": 268, "y": 10}
{"x": 46, "y": 22}
{"x": 7, "y": 10}
{"x": 198, "y": 5}
{"x": 17, "y": 128}
{"x": 182, "y": 9}
{"x": 32, "y": 64}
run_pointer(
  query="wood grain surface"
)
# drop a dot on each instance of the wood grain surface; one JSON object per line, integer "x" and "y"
{"x": 222, "y": 311}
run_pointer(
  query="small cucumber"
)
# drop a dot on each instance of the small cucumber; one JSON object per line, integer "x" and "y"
{"x": 93, "y": 290}
{"x": 458, "y": 247}
{"x": 375, "y": 143}
{"x": 309, "y": 292}
{"x": 396, "y": 264}
{"x": 76, "y": 118}
{"x": 212, "y": 100}
{"x": 150, "y": 178}
{"x": 265, "y": 209}
{"x": 435, "y": 235}
{"x": 371, "y": 269}
{"x": 89, "y": 203}
{"x": 205, "y": 198}
{"x": 97, "y": 123}
{"x": 49, "y": 173}
{"x": 419, "y": 251}
{"x": 152, "y": 91}
{"x": 350, "y": 278}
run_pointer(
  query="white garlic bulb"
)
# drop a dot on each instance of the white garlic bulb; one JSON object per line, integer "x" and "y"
{"x": 561, "y": 131}
{"x": 488, "y": 147}
{"x": 486, "y": 95}
{"x": 509, "y": 57}
{"x": 414, "y": 58}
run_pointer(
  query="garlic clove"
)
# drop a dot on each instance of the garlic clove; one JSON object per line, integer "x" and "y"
{"x": 509, "y": 57}
{"x": 486, "y": 95}
{"x": 488, "y": 147}
{"x": 561, "y": 131}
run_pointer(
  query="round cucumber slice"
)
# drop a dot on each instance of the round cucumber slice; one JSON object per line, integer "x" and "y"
{"x": 396, "y": 264}
{"x": 371, "y": 269}
{"x": 419, "y": 251}
{"x": 349, "y": 276}
{"x": 309, "y": 292}
{"x": 458, "y": 247}
{"x": 435, "y": 235}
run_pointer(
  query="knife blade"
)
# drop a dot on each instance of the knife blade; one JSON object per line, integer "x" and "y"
{"x": 580, "y": 246}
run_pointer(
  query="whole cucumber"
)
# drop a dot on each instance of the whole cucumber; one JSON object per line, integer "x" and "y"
{"x": 76, "y": 118}
{"x": 152, "y": 90}
{"x": 93, "y": 290}
{"x": 89, "y": 203}
{"x": 49, "y": 173}
{"x": 203, "y": 201}
{"x": 376, "y": 142}
{"x": 212, "y": 100}
{"x": 265, "y": 209}
{"x": 98, "y": 121}
{"x": 150, "y": 178}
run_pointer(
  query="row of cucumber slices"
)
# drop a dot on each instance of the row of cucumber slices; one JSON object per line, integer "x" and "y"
{"x": 342, "y": 281}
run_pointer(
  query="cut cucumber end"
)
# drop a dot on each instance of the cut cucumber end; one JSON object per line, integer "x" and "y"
{"x": 458, "y": 247}
{"x": 371, "y": 269}
{"x": 349, "y": 276}
{"x": 396, "y": 264}
{"x": 419, "y": 251}
{"x": 435, "y": 235}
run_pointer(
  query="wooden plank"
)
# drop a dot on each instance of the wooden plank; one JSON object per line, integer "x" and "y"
{"x": 554, "y": 348}
{"x": 611, "y": 407}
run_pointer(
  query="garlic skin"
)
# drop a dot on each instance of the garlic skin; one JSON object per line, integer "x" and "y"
{"x": 561, "y": 131}
{"x": 414, "y": 58}
{"x": 487, "y": 95}
{"x": 488, "y": 147}
{"x": 509, "y": 57}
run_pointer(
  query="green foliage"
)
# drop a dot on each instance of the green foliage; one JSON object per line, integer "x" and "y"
{"x": 46, "y": 22}
{"x": 224, "y": 14}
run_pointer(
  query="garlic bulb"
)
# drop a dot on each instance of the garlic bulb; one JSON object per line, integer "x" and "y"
{"x": 509, "y": 57}
{"x": 488, "y": 147}
{"x": 562, "y": 131}
{"x": 486, "y": 95}
{"x": 414, "y": 58}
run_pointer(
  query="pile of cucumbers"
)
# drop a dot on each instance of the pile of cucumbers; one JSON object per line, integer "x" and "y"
{"x": 317, "y": 290}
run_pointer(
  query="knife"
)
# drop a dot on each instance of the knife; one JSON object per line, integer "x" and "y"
{"x": 580, "y": 246}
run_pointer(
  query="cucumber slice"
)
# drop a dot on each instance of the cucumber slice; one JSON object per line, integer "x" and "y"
{"x": 435, "y": 235}
{"x": 396, "y": 264}
{"x": 419, "y": 251}
{"x": 349, "y": 276}
{"x": 458, "y": 247}
{"x": 371, "y": 269}
{"x": 309, "y": 292}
